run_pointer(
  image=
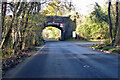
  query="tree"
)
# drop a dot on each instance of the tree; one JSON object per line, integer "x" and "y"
{"x": 95, "y": 25}
{"x": 57, "y": 8}
{"x": 117, "y": 42}
{"x": 98, "y": 15}
{"x": 116, "y": 24}
{"x": 18, "y": 28}
{"x": 110, "y": 22}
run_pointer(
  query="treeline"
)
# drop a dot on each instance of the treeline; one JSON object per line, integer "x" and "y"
{"x": 21, "y": 26}
{"x": 22, "y": 21}
{"x": 95, "y": 25}
{"x": 101, "y": 24}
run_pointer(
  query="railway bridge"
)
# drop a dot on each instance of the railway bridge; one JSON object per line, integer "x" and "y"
{"x": 65, "y": 24}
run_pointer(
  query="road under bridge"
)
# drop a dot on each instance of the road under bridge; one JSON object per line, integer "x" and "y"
{"x": 65, "y": 24}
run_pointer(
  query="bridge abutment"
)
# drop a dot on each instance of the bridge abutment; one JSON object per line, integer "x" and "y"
{"x": 62, "y": 35}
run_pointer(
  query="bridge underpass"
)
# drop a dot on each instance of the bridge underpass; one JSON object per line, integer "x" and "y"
{"x": 65, "y": 24}
{"x": 46, "y": 33}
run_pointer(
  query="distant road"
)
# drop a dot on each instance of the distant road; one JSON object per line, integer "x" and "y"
{"x": 67, "y": 60}
{"x": 50, "y": 40}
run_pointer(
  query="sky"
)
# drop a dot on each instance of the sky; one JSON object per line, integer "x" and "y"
{"x": 83, "y": 6}
{"x": 86, "y": 6}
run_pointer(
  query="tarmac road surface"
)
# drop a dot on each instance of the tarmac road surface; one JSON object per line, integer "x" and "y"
{"x": 61, "y": 59}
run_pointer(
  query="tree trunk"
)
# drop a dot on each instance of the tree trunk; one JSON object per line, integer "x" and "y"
{"x": 116, "y": 24}
{"x": 118, "y": 30}
{"x": 24, "y": 42}
{"x": 3, "y": 19}
{"x": 110, "y": 22}
{"x": 4, "y": 5}
{"x": 26, "y": 24}
{"x": 15, "y": 36}
{"x": 7, "y": 34}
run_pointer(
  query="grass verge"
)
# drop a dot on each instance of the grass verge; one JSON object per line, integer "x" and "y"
{"x": 106, "y": 48}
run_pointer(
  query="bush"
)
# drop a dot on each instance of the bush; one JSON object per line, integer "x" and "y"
{"x": 92, "y": 31}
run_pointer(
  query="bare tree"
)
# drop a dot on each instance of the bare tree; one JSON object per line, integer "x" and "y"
{"x": 117, "y": 42}
{"x": 116, "y": 24}
{"x": 110, "y": 22}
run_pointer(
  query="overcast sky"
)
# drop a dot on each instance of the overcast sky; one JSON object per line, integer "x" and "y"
{"x": 85, "y": 6}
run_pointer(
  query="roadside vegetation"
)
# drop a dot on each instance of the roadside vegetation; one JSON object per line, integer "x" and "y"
{"x": 20, "y": 31}
{"x": 105, "y": 47}
{"x": 102, "y": 24}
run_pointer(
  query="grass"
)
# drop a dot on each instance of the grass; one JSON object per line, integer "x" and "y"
{"x": 83, "y": 39}
{"x": 106, "y": 47}
{"x": 98, "y": 40}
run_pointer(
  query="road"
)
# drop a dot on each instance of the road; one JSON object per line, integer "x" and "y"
{"x": 67, "y": 60}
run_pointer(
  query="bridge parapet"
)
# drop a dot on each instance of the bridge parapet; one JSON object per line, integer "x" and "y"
{"x": 56, "y": 19}
{"x": 52, "y": 24}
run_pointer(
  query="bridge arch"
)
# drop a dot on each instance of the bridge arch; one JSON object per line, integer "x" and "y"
{"x": 67, "y": 27}
{"x": 56, "y": 26}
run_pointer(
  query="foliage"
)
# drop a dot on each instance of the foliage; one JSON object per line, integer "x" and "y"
{"x": 51, "y": 33}
{"x": 22, "y": 29}
{"x": 94, "y": 26}
{"x": 98, "y": 15}
{"x": 92, "y": 31}
{"x": 57, "y": 8}
{"x": 106, "y": 47}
